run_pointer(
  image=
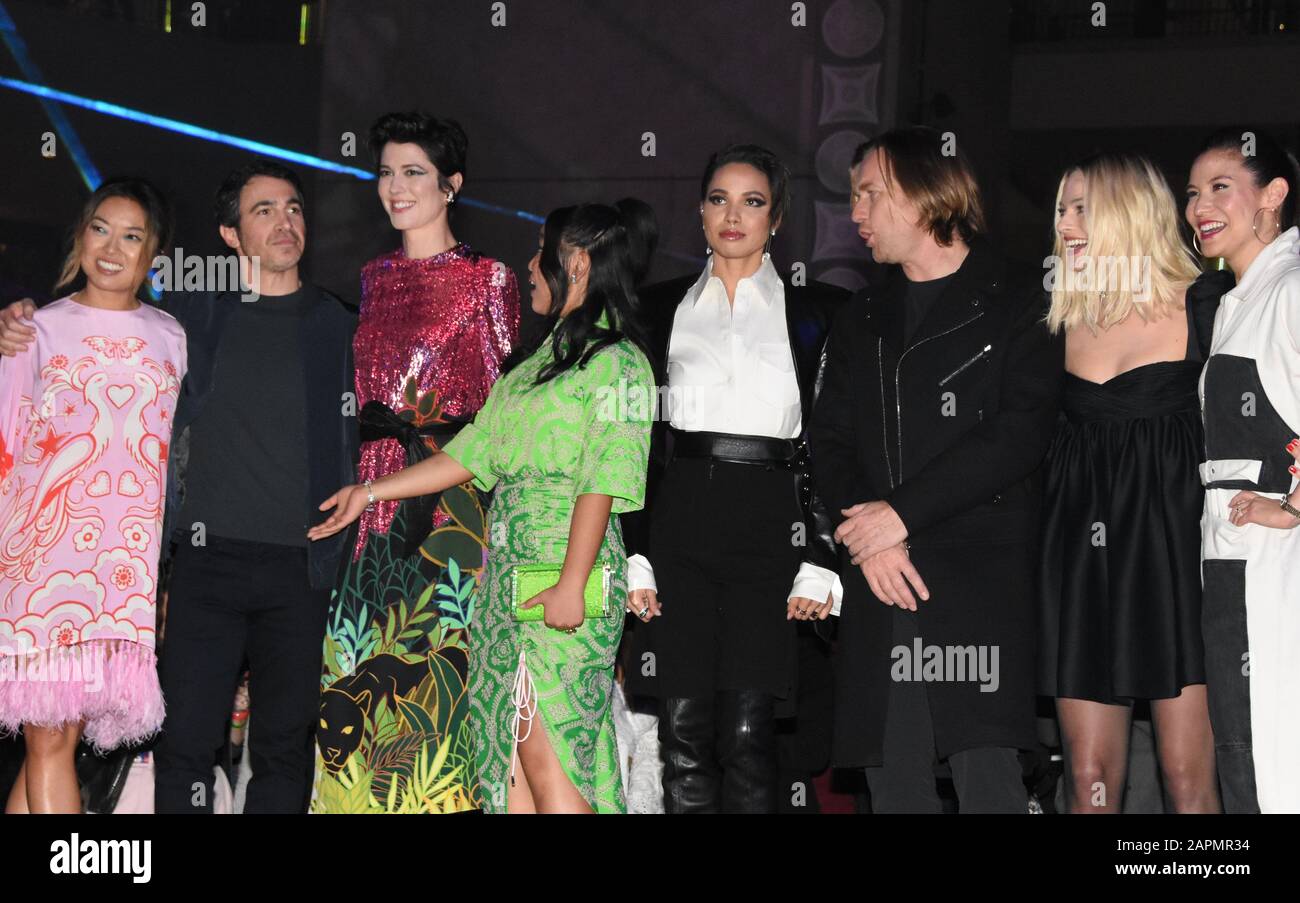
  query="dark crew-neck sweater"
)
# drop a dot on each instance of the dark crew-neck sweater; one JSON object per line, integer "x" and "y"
{"x": 247, "y": 474}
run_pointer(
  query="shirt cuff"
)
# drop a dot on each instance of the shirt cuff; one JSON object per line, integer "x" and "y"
{"x": 814, "y": 582}
{"x": 640, "y": 575}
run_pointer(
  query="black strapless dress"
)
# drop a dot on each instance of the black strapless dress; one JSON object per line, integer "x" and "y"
{"x": 1120, "y": 579}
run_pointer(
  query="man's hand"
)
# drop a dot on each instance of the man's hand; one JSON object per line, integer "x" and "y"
{"x": 893, "y": 579}
{"x": 16, "y": 328}
{"x": 870, "y": 528}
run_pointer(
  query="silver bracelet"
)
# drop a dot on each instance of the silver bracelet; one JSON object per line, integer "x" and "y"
{"x": 370, "y": 495}
{"x": 1289, "y": 508}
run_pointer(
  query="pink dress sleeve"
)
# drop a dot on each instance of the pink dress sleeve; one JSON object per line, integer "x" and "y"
{"x": 501, "y": 314}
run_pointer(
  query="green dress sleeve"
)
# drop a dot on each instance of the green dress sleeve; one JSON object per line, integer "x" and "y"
{"x": 617, "y": 412}
{"x": 473, "y": 446}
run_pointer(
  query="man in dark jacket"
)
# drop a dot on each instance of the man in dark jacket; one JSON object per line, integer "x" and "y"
{"x": 939, "y": 401}
{"x": 266, "y": 419}
{"x": 265, "y": 429}
{"x": 269, "y": 419}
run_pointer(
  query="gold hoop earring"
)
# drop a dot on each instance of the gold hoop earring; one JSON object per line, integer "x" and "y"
{"x": 1277, "y": 224}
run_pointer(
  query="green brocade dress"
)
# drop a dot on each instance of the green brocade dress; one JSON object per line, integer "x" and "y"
{"x": 540, "y": 447}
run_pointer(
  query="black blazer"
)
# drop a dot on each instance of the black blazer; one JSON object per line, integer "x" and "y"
{"x": 332, "y": 434}
{"x": 809, "y": 311}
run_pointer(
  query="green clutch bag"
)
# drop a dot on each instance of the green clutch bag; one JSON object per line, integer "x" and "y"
{"x": 528, "y": 580}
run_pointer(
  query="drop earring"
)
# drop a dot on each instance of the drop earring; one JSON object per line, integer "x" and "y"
{"x": 767, "y": 249}
{"x": 451, "y": 198}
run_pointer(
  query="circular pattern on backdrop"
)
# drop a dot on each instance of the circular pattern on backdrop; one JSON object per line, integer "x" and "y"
{"x": 833, "y": 157}
{"x": 852, "y": 28}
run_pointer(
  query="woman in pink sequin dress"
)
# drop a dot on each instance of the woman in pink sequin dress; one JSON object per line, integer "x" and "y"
{"x": 436, "y": 321}
{"x": 85, "y": 424}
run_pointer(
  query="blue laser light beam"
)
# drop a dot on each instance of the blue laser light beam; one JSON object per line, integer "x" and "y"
{"x": 258, "y": 147}
{"x": 183, "y": 128}
{"x": 62, "y": 127}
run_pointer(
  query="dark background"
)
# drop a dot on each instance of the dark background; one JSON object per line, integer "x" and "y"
{"x": 557, "y": 100}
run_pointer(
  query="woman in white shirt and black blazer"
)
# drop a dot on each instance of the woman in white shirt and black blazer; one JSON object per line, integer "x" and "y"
{"x": 734, "y": 549}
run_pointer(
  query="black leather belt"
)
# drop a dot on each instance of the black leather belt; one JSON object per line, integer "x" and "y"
{"x": 765, "y": 450}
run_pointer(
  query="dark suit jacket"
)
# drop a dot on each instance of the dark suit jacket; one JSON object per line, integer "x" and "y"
{"x": 333, "y": 443}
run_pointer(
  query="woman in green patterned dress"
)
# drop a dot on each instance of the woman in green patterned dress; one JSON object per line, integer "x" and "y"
{"x": 564, "y": 440}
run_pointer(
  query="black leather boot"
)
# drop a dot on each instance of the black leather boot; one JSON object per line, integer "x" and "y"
{"x": 686, "y": 732}
{"x": 747, "y": 751}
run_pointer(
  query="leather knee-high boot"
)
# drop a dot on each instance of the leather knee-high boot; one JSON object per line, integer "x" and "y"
{"x": 686, "y": 744}
{"x": 747, "y": 751}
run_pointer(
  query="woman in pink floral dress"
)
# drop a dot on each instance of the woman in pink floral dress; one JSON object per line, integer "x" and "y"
{"x": 85, "y": 424}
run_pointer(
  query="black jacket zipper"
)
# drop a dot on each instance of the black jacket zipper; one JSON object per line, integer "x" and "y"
{"x": 963, "y": 367}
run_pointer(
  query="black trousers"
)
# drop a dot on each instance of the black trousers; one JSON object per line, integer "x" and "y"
{"x": 987, "y": 779}
{"x": 233, "y": 600}
{"x": 725, "y": 546}
{"x": 1227, "y": 682}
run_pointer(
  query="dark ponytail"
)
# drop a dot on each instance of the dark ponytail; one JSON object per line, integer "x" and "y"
{"x": 638, "y": 219}
{"x": 1270, "y": 160}
{"x": 619, "y": 241}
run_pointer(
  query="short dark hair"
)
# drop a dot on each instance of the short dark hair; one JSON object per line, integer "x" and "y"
{"x": 226, "y": 205}
{"x": 443, "y": 141}
{"x": 941, "y": 184}
{"x": 1271, "y": 160}
{"x": 762, "y": 159}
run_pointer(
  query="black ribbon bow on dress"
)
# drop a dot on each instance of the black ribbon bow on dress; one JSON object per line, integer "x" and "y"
{"x": 379, "y": 421}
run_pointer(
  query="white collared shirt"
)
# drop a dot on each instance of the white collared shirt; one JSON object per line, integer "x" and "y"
{"x": 730, "y": 370}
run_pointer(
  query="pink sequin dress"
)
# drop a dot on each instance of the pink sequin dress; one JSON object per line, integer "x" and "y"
{"x": 431, "y": 339}
{"x": 85, "y": 424}
{"x": 435, "y": 328}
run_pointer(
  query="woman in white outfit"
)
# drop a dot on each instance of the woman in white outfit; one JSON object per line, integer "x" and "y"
{"x": 1241, "y": 202}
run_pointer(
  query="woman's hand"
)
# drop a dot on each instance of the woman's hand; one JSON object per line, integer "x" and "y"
{"x": 644, "y": 603}
{"x": 806, "y": 609}
{"x": 564, "y": 606}
{"x": 1293, "y": 449}
{"x": 1249, "y": 508}
{"x": 348, "y": 503}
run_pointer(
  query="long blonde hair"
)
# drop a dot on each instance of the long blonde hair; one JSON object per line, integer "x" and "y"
{"x": 1132, "y": 222}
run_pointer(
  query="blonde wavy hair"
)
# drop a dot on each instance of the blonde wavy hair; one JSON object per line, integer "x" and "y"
{"x": 1132, "y": 221}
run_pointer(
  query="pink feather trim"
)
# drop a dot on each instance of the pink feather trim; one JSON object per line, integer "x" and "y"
{"x": 111, "y": 685}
